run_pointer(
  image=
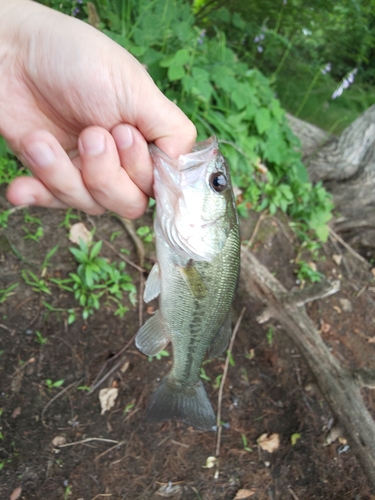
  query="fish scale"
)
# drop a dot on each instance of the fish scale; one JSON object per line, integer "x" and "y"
{"x": 195, "y": 277}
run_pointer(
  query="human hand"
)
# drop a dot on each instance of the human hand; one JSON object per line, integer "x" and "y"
{"x": 79, "y": 110}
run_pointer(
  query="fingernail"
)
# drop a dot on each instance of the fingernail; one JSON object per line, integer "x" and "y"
{"x": 39, "y": 153}
{"x": 92, "y": 143}
{"x": 123, "y": 136}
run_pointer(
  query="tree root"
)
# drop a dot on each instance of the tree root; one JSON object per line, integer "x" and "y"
{"x": 340, "y": 387}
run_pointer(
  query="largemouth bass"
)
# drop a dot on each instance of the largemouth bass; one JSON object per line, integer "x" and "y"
{"x": 195, "y": 277}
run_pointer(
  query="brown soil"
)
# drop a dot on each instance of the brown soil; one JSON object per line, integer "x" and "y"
{"x": 268, "y": 390}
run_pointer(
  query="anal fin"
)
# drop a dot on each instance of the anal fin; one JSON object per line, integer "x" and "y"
{"x": 151, "y": 337}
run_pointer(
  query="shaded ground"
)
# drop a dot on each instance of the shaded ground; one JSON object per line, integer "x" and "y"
{"x": 268, "y": 390}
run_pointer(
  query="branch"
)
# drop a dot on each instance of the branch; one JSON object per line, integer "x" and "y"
{"x": 340, "y": 387}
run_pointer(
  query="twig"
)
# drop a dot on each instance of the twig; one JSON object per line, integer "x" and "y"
{"x": 263, "y": 216}
{"x": 122, "y": 256}
{"x": 113, "y": 369}
{"x": 220, "y": 395}
{"x": 128, "y": 225}
{"x": 348, "y": 247}
{"x": 117, "y": 445}
{"x": 88, "y": 440}
{"x": 57, "y": 396}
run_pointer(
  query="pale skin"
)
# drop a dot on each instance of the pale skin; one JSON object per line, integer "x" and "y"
{"x": 79, "y": 111}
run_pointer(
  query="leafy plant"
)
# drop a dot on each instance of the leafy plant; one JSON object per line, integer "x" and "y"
{"x": 96, "y": 277}
{"x": 159, "y": 356}
{"x": 67, "y": 218}
{"x": 245, "y": 443}
{"x": 38, "y": 285}
{"x": 40, "y": 339}
{"x": 4, "y": 216}
{"x": 53, "y": 385}
{"x": 306, "y": 271}
{"x": 146, "y": 233}
{"x": 7, "y": 292}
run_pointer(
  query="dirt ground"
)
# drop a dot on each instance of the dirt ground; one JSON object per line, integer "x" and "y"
{"x": 118, "y": 455}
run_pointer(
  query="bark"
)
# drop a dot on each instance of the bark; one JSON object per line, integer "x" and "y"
{"x": 346, "y": 166}
{"x": 340, "y": 387}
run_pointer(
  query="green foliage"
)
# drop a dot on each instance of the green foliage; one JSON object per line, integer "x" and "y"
{"x": 9, "y": 168}
{"x": 146, "y": 233}
{"x": 307, "y": 272}
{"x": 53, "y": 385}
{"x": 7, "y": 292}
{"x": 67, "y": 218}
{"x": 40, "y": 339}
{"x": 97, "y": 277}
{"x": 245, "y": 443}
{"x": 222, "y": 96}
{"x": 160, "y": 355}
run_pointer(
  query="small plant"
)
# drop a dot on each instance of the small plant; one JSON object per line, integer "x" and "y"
{"x": 146, "y": 233}
{"x": 159, "y": 355}
{"x": 114, "y": 235}
{"x": 269, "y": 336}
{"x": 68, "y": 216}
{"x": 294, "y": 438}
{"x": 306, "y": 271}
{"x": 245, "y": 443}
{"x": 83, "y": 388}
{"x": 217, "y": 382}
{"x": 7, "y": 292}
{"x": 231, "y": 359}
{"x": 4, "y": 216}
{"x": 38, "y": 285}
{"x": 40, "y": 339}
{"x": 203, "y": 375}
{"x": 53, "y": 385}
{"x": 128, "y": 407}
{"x": 39, "y": 233}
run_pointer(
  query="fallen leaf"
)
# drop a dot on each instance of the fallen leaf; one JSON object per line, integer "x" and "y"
{"x": 244, "y": 494}
{"x": 371, "y": 340}
{"x": 107, "y": 398}
{"x": 337, "y": 309}
{"x": 269, "y": 443}
{"x": 294, "y": 438}
{"x": 16, "y": 493}
{"x": 325, "y": 327}
{"x": 210, "y": 462}
{"x": 373, "y": 271}
{"x": 58, "y": 441}
{"x": 337, "y": 259}
{"x": 79, "y": 232}
{"x": 16, "y": 412}
{"x": 124, "y": 367}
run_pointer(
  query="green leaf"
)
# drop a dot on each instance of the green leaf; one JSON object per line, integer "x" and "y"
{"x": 263, "y": 120}
{"x": 96, "y": 249}
{"x": 294, "y": 438}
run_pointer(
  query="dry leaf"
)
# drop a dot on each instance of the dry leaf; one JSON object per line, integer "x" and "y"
{"x": 210, "y": 462}
{"x": 58, "y": 441}
{"x": 16, "y": 493}
{"x": 79, "y": 232}
{"x": 334, "y": 433}
{"x": 373, "y": 271}
{"x": 245, "y": 494}
{"x": 371, "y": 340}
{"x": 325, "y": 327}
{"x": 337, "y": 309}
{"x": 16, "y": 412}
{"x": 107, "y": 398}
{"x": 269, "y": 443}
{"x": 337, "y": 259}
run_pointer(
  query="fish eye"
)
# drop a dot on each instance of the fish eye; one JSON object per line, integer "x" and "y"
{"x": 218, "y": 181}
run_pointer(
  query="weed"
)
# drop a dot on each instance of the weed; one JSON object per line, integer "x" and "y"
{"x": 245, "y": 444}
{"x": 294, "y": 438}
{"x": 269, "y": 336}
{"x": 128, "y": 407}
{"x": 39, "y": 233}
{"x": 306, "y": 271}
{"x": 160, "y": 355}
{"x": 53, "y": 385}
{"x": 40, "y": 339}
{"x": 146, "y": 233}
{"x": 68, "y": 216}
{"x": 217, "y": 382}
{"x": 203, "y": 375}
{"x": 38, "y": 285}
{"x": 7, "y": 292}
{"x": 4, "y": 216}
{"x": 231, "y": 359}
{"x": 114, "y": 235}
{"x": 83, "y": 388}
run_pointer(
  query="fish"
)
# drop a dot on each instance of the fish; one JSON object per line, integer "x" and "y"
{"x": 194, "y": 277}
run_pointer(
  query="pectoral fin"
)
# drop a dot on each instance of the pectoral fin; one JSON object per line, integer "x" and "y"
{"x": 151, "y": 337}
{"x": 221, "y": 339}
{"x": 152, "y": 288}
{"x": 194, "y": 281}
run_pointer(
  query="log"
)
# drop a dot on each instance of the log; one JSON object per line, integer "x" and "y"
{"x": 340, "y": 387}
{"x": 346, "y": 166}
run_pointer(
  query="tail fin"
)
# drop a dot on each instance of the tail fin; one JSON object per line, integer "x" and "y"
{"x": 189, "y": 404}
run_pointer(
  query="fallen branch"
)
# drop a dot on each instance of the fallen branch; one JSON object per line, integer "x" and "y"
{"x": 340, "y": 387}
